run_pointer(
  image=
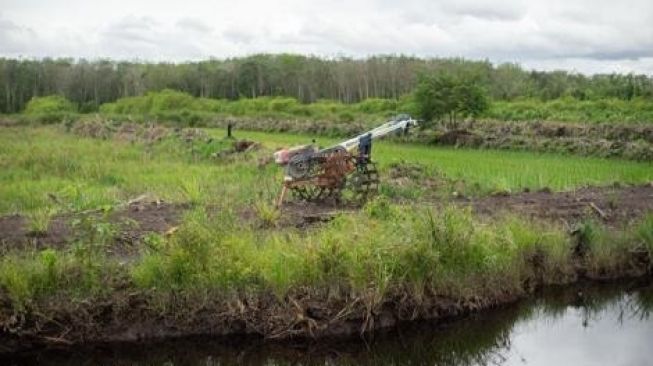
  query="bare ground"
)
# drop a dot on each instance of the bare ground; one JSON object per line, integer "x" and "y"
{"x": 132, "y": 224}
{"x": 615, "y": 206}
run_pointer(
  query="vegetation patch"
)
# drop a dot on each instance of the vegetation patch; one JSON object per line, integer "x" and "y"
{"x": 164, "y": 239}
{"x": 361, "y": 272}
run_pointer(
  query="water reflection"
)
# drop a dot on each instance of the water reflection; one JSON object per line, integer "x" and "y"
{"x": 606, "y": 324}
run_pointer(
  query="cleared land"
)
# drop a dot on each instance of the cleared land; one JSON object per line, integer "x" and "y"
{"x": 128, "y": 232}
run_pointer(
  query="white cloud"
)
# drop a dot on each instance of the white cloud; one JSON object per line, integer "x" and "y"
{"x": 581, "y": 35}
{"x": 194, "y": 25}
{"x": 14, "y": 38}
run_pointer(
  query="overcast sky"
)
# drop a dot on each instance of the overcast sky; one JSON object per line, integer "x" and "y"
{"x": 586, "y": 36}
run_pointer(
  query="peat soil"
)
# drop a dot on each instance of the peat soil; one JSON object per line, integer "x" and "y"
{"x": 615, "y": 207}
{"x": 131, "y": 225}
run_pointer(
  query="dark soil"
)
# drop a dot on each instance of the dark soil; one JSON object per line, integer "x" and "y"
{"x": 614, "y": 206}
{"x": 132, "y": 224}
{"x": 306, "y": 214}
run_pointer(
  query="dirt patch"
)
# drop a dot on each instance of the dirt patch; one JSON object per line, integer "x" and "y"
{"x": 613, "y": 206}
{"x": 306, "y": 214}
{"x": 132, "y": 224}
{"x": 15, "y": 234}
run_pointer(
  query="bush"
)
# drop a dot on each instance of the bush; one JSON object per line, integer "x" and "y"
{"x": 568, "y": 109}
{"x": 376, "y": 105}
{"x": 52, "y": 104}
{"x": 50, "y": 109}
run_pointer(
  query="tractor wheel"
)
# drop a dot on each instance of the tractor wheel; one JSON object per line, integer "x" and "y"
{"x": 362, "y": 184}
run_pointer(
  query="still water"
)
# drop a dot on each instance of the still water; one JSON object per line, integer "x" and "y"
{"x": 598, "y": 325}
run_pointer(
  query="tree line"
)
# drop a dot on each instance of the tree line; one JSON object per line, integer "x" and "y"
{"x": 88, "y": 84}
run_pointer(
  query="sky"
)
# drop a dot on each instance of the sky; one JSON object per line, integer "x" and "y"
{"x": 585, "y": 36}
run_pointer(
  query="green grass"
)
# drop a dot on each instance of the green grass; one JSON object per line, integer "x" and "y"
{"x": 375, "y": 253}
{"x": 47, "y": 168}
{"x": 361, "y": 254}
{"x": 422, "y": 248}
{"x": 371, "y": 254}
{"x": 489, "y": 170}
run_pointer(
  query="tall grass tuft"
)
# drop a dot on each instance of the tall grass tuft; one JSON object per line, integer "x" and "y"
{"x": 39, "y": 220}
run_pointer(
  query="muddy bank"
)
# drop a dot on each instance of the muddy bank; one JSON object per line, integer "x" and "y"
{"x": 125, "y": 312}
{"x": 132, "y": 316}
{"x": 482, "y": 338}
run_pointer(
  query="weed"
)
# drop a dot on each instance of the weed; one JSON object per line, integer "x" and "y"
{"x": 380, "y": 208}
{"x": 191, "y": 189}
{"x": 39, "y": 220}
{"x": 612, "y": 200}
{"x": 93, "y": 233}
{"x": 153, "y": 241}
{"x": 644, "y": 233}
{"x": 267, "y": 213}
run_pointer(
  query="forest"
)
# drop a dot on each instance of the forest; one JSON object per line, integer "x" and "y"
{"x": 89, "y": 84}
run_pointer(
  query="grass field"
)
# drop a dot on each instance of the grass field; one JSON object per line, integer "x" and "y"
{"x": 381, "y": 253}
{"x": 45, "y": 168}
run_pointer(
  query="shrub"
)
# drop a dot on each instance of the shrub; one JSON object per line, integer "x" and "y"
{"x": 377, "y": 105}
{"x": 50, "y": 109}
{"x": 52, "y": 104}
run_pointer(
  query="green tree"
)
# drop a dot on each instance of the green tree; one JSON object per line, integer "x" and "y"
{"x": 442, "y": 96}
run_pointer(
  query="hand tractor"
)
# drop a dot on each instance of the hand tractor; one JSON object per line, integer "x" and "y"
{"x": 342, "y": 172}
